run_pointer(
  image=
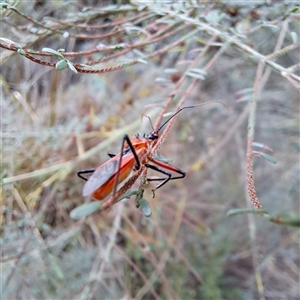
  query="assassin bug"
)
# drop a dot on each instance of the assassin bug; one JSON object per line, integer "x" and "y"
{"x": 134, "y": 153}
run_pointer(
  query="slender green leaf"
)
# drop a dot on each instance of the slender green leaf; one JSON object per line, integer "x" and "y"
{"x": 170, "y": 71}
{"x": 239, "y": 211}
{"x": 143, "y": 61}
{"x": 294, "y": 222}
{"x": 22, "y": 52}
{"x": 141, "y": 7}
{"x": 197, "y": 73}
{"x": 139, "y": 53}
{"x": 262, "y": 146}
{"x": 294, "y": 36}
{"x": 128, "y": 28}
{"x": 267, "y": 24}
{"x": 87, "y": 66}
{"x": 214, "y": 17}
{"x": 4, "y": 5}
{"x": 127, "y": 195}
{"x": 85, "y": 210}
{"x": 160, "y": 157}
{"x": 145, "y": 207}
{"x": 267, "y": 157}
{"x": 293, "y": 10}
{"x": 259, "y": 145}
{"x": 161, "y": 79}
{"x": 282, "y": 220}
{"x": 119, "y": 46}
{"x": 197, "y": 76}
{"x": 71, "y": 67}
{"x": 52, "y": 51}
{"x": 60, "y": 65}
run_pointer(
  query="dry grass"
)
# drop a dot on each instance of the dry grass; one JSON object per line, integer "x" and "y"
{"x": 54, "y": 123}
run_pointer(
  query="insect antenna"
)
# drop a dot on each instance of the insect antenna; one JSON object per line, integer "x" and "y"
{"x": 191, "y": 106}
{"x": 149, "y": 120}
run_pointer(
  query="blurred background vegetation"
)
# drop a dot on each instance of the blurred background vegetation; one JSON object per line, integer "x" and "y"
{"x": 122, "y": 59}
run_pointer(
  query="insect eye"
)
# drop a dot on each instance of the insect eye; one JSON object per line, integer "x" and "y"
{"x": 153, "y": 136}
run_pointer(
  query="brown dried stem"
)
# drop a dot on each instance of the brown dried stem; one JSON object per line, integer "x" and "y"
{"x": 251, "y": 130}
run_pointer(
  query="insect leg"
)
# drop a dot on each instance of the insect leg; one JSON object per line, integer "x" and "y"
{"x": 138, "y": 164}
{"x": 165, "y": 180}
{"x": 167, "y": 167}
{"x": 127, "y": 139}
{"x": 79, "y": 173}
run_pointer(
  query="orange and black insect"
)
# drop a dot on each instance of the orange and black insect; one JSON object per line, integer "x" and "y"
{"x": 134, "y": 153}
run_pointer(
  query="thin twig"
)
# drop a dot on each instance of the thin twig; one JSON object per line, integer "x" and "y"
{"x": 251, "y": 130}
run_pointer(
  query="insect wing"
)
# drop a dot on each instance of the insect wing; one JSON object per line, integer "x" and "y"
{"x": 99, "y": 177}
